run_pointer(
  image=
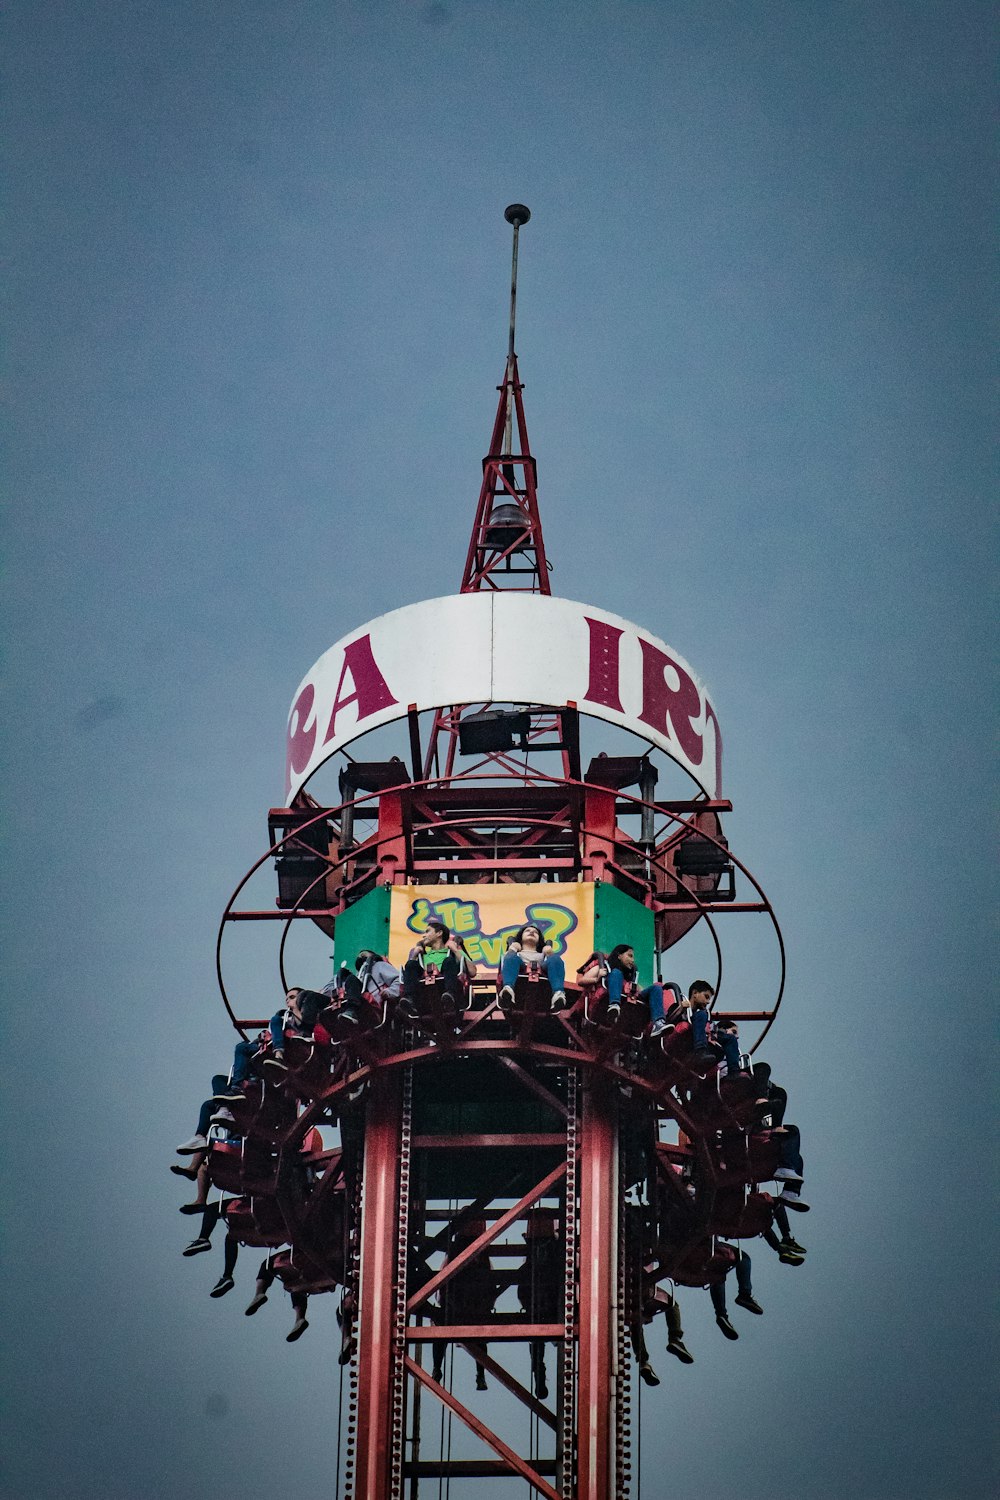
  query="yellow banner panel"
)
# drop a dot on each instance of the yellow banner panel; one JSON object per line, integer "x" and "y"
{"x": 485, "y": 916}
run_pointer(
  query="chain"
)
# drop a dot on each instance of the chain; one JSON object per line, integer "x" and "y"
{"x": 623, "y": 1385}
{"x": 352, "y": 1280}
{"x": 398, "y": 1431}
{"x": 567, "y": 1413}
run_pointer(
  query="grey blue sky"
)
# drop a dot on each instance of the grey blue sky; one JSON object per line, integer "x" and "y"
{"x": 256, "y": 316}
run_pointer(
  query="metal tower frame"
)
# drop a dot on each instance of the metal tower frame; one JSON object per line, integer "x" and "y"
{"x": 476, "y": 1120}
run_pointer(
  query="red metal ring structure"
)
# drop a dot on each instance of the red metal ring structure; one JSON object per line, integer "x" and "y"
{"x": 299, "y": 910}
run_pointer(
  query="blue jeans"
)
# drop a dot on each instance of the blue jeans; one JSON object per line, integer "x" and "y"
{"x": 651, "y": 997}
{"x": 209, "y": 1107}
{"x": 730, "y": 1051}
{"x": 243, "y": 1054}
{"x": 699, "y": 1027}
{"x": 551, "y": 965}
{"x": 791, "y": 1151}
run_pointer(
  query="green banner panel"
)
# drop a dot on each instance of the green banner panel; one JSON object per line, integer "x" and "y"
{"x": 620, "y": 919}
{"x": 363, "y": 925}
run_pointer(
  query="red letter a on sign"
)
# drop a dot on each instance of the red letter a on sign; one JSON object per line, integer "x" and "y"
{"x": 371, "y": 691}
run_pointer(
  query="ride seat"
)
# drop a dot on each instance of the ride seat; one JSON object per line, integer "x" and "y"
{"x": 241, "y": 1168}
{"x": 436, "y": 1006}
{"x": 633, "y": 1017}
{"x": 532, "y": 994}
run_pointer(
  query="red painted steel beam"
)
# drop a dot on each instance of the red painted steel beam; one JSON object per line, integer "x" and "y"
{"x": 598, "y": 1185}
{"x": 508, "y": 1381}
{"x": 451, "y": 1142}
{"x": 379, "y": 1223}
{"x": 515, "y": 1463}
{"x": 471, "y": 1468}
{"x": 488, "y": 1333}
{"x": 449, "y": 1269}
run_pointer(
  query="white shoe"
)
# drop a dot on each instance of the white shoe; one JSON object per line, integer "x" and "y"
{"x": 788, "y": 1174}
{"x": 506, "y": 996}
{"x": 558, "y": 999}
{"x": 196, "y": 1143}
{"x": 790, "y": 1198}
{"x": 223, "y": 1117}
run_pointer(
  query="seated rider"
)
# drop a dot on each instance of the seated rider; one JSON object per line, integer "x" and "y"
{"x": 468, "y": 1296}
{"x": 790, "y": 1171}
{"x": 745, "y": 1297}
{"x": 528, "y": 949}
{"x": 198, "y": 1144}
{"x": 727, "y": 1037}
{"x": 302, "y": 1007}
{"x": 693, "y": 1018}
{"x": 540, "y": 1285}
{"x": 374, "y": 981}
{"x": 436, "y": 948}
{"x": 266, "y": 1274}
{"x": 620, "y": 975}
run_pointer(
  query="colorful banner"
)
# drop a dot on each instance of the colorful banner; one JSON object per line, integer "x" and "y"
{"x": 485, "y": 916}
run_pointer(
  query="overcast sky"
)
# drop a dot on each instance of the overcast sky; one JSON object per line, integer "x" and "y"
{"x": 256, "y": 317}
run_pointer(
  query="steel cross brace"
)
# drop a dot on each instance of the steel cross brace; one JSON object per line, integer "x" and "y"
{"x": 514, "y": 1462}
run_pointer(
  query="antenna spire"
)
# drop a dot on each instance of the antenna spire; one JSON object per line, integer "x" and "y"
{"x": 515, "y": 214}
{"x": 506, "y": 550}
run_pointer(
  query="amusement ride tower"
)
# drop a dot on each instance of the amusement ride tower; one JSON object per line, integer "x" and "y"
{"x": 525, "y": 1174}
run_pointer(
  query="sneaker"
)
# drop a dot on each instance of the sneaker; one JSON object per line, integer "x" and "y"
{"x": 196, "y": 1143}
{"x": 726, "y": 1326}
{"x": 558, "y": 999}
{"x": 791, "y": 1199}
{"x": 196, "y": 1247}
{"x": 256, "y": 1303}
{"x": 676, "y": 1348}
{"x": 506, "y": 997}
{"x": 648, "y": 1374}
{"x": 231, "y": 1095}
{"x": 481, "y": 1381}
{"x": 223, "y": 1117}
{"x": 789, "y": 1244}
{"x": 788, "y": 1174}
{"x": 614, "y": 1011}
{"x": 299, "y": 1328}
{"x": 348, "y": 1016}
{"x": 192, "y": 1208}
{"x": 791, "y": 1258}
{"x": 189, "y": 1172}
{"x": 276, "y": 1062}
{"x": 222, "y": 1286}
{"x": 437, "y": 1375}
{"x": 747, "y": 1300}
{"x": 541, "y": 1391}
{"x": 659, "y": 1027}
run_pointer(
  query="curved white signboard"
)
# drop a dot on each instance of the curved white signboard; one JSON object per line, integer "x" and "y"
{"x": 502, "y": 648}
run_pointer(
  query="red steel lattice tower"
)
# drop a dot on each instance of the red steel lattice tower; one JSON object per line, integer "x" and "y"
{"x": 467, "y": 1119}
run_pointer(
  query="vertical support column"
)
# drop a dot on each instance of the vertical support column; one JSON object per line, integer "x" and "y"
{"x": 377, "y": 1291}
{"x": 598, "y": 1283}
